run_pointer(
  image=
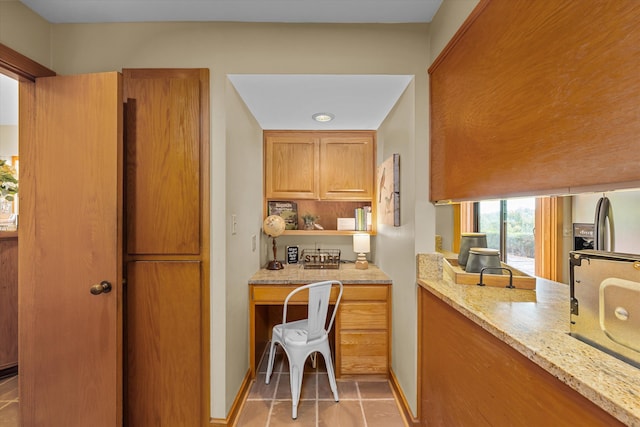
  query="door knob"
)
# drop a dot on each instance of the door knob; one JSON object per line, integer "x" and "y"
{"x": 102, "y": 287}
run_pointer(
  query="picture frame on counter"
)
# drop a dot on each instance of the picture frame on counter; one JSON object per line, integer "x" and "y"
{"x": 293, "y": 254}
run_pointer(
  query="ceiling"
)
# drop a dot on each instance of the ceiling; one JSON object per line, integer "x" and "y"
{"x": 277, "y": 101}
{"x": 338, "y": 11}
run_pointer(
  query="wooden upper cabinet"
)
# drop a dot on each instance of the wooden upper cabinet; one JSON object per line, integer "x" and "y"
{"x": 537, "y": 97}
{"x": 346, "y": 167}
{"x": 163, "y": 143}
{"x": 291, "y": 166}
{"x": 319, "y": 165}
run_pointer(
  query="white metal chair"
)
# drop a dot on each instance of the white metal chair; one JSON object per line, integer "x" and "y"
{"x": 301, "y": 338}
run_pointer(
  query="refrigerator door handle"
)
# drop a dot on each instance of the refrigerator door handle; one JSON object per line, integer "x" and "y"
{"x": 602, "y": 218}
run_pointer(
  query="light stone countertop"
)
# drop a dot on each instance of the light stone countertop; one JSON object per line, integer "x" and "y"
{"x": 536, "y": 324}
{"x": 297, "y": 274}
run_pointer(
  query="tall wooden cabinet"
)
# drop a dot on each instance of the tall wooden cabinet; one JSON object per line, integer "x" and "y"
{"x": 327, "y": 173}
{"x": 167, "y": 250}
{"x": 8, "y": 301}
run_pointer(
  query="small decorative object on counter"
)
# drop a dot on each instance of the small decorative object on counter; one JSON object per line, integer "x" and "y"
{"x": 321, "y": 258}
{"x": 8, "y": 190}
{"x": 361, "y": 246}
{"x": 468, "y": 241}
{"x": 274, "y": 226}
{"x": 480, "y": 258}
{"x": 292, "y": 254}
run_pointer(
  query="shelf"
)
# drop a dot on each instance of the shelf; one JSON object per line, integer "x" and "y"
{"x": 324, "y": 232}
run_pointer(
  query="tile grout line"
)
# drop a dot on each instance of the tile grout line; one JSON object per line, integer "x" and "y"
{"x": 364, "y": 417}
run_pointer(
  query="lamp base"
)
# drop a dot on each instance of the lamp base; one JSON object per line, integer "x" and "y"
{"x": 361, "y": 262}
{"x": 275, "y": 265}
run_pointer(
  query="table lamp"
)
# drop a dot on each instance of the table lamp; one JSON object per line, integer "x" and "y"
{"x": 361, "y": 246}
{"x": 274, "y": 226}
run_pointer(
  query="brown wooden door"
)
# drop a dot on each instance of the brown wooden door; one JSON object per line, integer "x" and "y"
{"x": 70, "y": 231}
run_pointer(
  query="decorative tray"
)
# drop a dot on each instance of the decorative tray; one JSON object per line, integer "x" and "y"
{"x": 521, "y": 280}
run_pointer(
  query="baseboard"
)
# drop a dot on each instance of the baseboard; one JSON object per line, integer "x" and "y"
{"x": 238, "y": 403}
{"x": 402, "y": 400}
{"x": 9, "y": 372}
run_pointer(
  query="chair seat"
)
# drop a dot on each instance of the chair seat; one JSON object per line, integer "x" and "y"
{"x": 295, "y": 333}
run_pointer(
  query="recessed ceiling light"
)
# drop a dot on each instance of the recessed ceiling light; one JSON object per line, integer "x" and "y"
{"x": 322, "y": 117}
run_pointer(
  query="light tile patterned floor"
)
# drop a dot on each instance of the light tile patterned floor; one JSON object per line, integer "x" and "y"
{"x": 9, "y": 402}
{"x": 362, "y": 403}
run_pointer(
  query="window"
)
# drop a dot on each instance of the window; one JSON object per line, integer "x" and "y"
{"x": 510, "y": 225}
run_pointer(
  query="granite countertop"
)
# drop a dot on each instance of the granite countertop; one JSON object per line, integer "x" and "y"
{"x": 536, "y": 323}
{"x": 297, "y": 274}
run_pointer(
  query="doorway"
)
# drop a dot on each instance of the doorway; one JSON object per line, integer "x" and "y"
{"x": 8, "y": 256}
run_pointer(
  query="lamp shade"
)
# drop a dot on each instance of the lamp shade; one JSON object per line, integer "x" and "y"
{"x": 361, "y": 243}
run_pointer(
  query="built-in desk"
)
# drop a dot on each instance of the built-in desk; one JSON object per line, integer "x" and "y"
{"x": 362, "y": 330}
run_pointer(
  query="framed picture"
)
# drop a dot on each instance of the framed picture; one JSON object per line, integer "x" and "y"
{"x": 287, "y": 210}
{"x": 389, "y": 191}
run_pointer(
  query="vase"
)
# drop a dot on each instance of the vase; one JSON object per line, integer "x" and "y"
{"x": 8, "y": 219}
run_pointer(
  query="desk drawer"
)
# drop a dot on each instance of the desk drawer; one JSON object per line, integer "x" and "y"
{"x": 276, "y": 294}
{"x": 363, "y": 315}
{"x": 365, "y": 293}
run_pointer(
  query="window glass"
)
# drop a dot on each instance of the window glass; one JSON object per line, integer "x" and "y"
{"x": 509, "y": 225}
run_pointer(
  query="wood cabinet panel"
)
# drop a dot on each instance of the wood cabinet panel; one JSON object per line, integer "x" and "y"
{"x": 364, "y": 352}
{"x": 291, "y": 166}
{"x": 528, "y": 92}
{"x": 469, "y": 377}
{"x": 163, "y": 162}
{"x": 346, "y": 167}
{"x": 363, "y": 315}
{"x": 164, "y": 343}
{"x": 8, "y": 303}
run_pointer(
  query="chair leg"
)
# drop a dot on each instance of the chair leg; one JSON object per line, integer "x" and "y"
{"x": 272, "y": 356}
{"x": 330, "y": 373}
{"x": 295, "y": 380}
{"x": 314, "y": 359}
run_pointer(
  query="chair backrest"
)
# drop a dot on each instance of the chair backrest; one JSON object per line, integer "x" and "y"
{"x": 319, "y": 295}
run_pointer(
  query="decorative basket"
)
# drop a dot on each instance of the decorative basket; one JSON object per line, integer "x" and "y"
{"x": 320, "y": 258}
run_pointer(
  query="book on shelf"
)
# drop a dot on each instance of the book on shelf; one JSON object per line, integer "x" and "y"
{"x": 362, "y": 218}
{"x": 287, "y": 210}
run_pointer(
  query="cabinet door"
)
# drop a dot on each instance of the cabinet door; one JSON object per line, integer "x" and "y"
{"x": 163, "y": 341}
{"x": 346, "y": 167}
{"x": 163, "y": 143}
{"x": 291, "y": 166}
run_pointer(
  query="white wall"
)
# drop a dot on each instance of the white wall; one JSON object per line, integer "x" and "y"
{"x": 395, "y": 252}
{"x": 24, "y": 31}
